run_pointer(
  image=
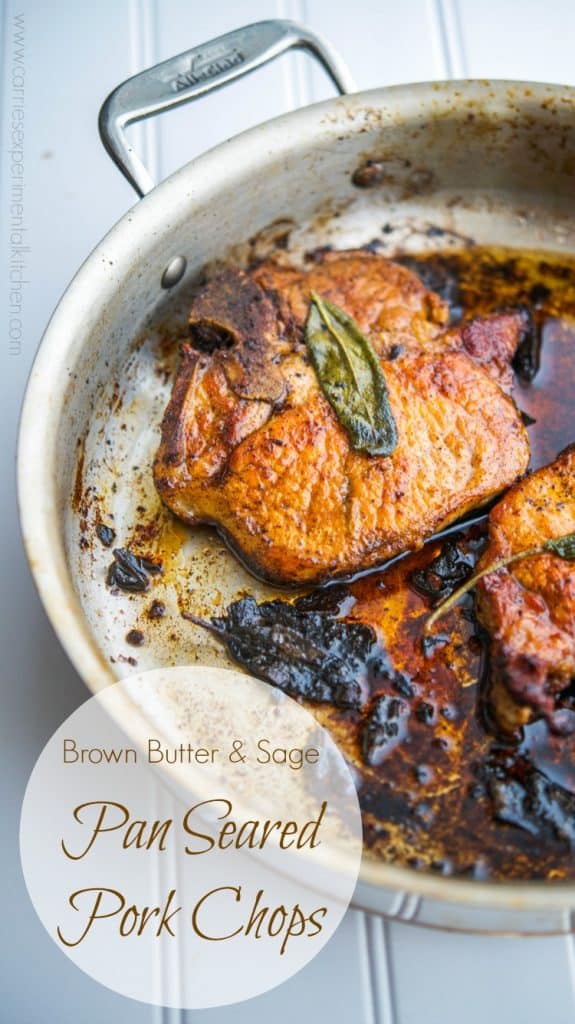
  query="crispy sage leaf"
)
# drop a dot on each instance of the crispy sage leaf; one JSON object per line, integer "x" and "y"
{"x": 442, "y": 575}
{"x": 305, "y": 653}
{"x": 131, "y": 572}
{"x": 562, "y": 546}
{"x": 351, "y": 378}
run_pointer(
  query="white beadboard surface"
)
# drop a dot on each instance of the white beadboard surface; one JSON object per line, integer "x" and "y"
{"x": 74, "y": 53}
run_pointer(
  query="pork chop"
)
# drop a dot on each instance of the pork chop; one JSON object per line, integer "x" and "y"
{"x": 529, "y": 607}
{"x": 251, "y": 444}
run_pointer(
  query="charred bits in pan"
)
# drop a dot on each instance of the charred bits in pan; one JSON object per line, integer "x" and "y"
{"x": 131, "y": 572}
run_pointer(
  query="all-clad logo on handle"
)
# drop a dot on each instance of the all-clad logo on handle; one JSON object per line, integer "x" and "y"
{"x": 207, "y": 65}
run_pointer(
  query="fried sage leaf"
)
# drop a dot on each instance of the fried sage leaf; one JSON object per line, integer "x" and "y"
{"x": 131, "y": 572}
{"x": 304, "y": 653}
{"x": 447, "y": 570}
{"x": 351, "y": 378}
{"x": 564, "y": 547}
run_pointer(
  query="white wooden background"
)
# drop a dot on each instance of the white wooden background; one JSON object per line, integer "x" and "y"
{"x": 74, "y": 53}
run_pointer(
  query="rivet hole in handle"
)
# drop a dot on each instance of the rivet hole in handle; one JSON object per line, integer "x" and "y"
{"x": 199, "y": 71}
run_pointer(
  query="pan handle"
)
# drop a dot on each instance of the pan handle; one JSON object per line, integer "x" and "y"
{"x": 197, "y": 72}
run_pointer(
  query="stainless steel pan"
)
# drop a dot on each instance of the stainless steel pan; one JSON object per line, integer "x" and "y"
{"x": 494, "y": 161}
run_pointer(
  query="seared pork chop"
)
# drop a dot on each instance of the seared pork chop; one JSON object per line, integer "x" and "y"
{"x": 251, "y": 444}
{"x": 529, "y": 607}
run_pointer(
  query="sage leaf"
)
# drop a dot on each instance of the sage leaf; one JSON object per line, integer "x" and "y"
{"x": 131, "y": 572}
{"x": 306, "y": 654}
{"x": 562, "y": 546}
{"x": 351, "y": 378}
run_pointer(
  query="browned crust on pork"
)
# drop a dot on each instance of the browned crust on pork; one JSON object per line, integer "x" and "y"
{"x": 250, "y": 443}
{"x": 529, "y": 607}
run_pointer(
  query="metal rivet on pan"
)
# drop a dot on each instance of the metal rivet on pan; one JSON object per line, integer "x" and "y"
{"x": 174, "y": 272}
